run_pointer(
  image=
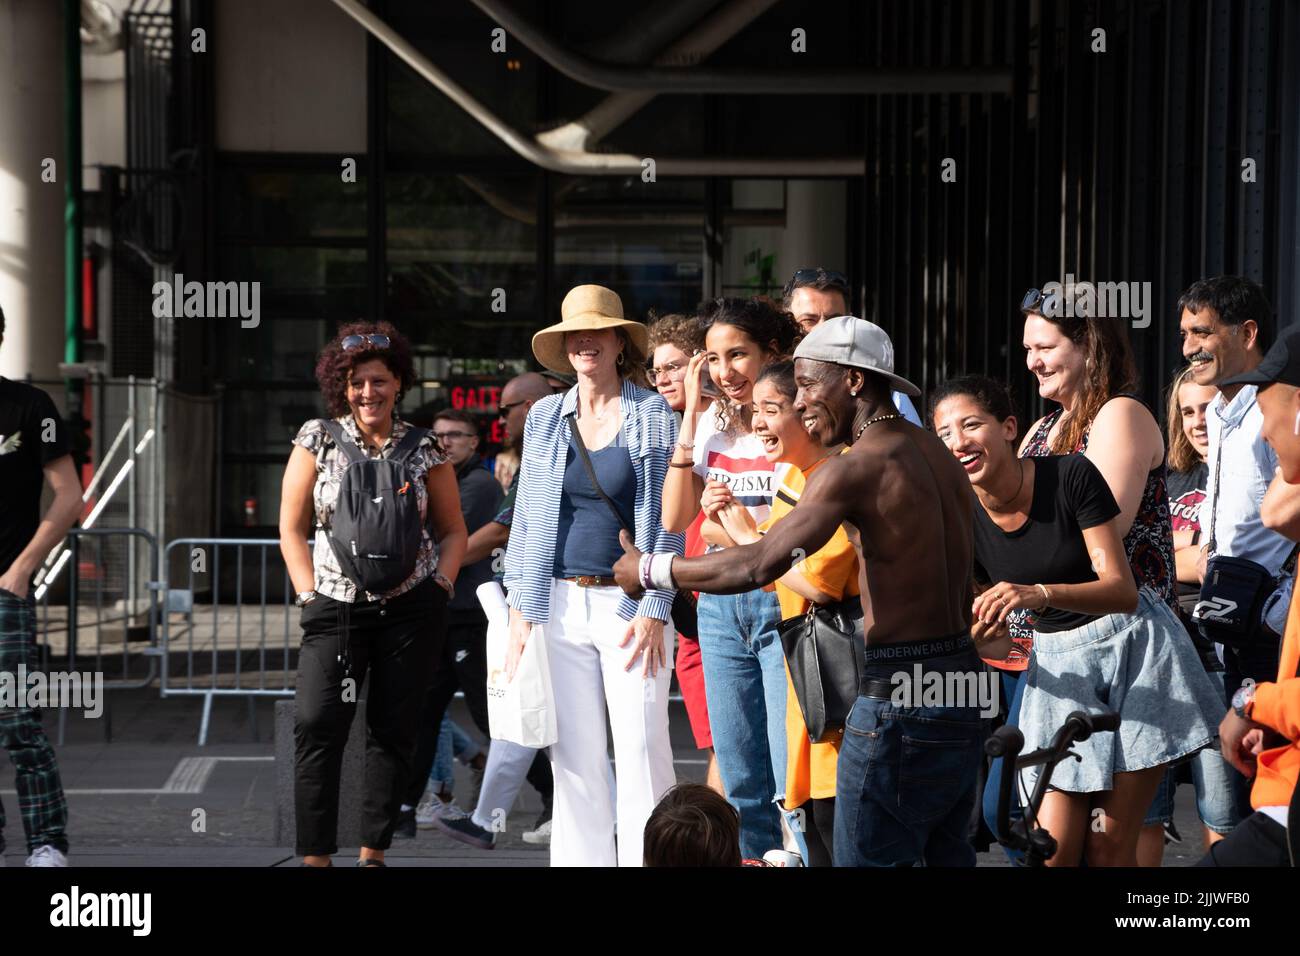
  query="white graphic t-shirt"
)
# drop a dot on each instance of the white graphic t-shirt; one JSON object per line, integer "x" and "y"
{"x": 737, "y": 460}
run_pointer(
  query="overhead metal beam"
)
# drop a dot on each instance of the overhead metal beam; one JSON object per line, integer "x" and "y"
{"x": 576, "y": 162}
{"x": 749, "y": 82}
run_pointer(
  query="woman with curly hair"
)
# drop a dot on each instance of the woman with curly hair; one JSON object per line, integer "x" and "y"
{"x": 363, "y": 373}
{"x": 719, "y": 460}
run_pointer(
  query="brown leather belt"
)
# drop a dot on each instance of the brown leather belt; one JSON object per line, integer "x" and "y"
{"x": 592, "y": 581}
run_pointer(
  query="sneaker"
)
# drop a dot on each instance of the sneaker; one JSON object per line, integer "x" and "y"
{"x": 432, "y": 806}
{"x": 460, "y": 826}
{"x": 1171, "y": 833}
{"x": 539, "y": 835}
{"x": 47, "y": 856}
{"x": 405, "y": 826}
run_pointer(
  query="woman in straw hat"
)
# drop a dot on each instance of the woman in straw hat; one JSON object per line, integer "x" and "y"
{"x": 608, "y": 652}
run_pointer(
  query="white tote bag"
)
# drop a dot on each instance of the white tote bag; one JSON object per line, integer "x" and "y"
{"x": 521, "y": 711}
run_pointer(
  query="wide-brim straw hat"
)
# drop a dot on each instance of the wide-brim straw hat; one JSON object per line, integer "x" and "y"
{"x": 586, "y": 308}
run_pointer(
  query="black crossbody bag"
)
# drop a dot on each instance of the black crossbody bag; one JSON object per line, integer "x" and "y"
{"x": 1231, "y": 606}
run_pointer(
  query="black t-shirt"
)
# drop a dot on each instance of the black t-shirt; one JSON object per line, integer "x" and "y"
{"x": 480, "y": 500}
{"x": 32, "y": 435}
{"x": 1069, "y": 495}
{"x": 1186, "y": 495}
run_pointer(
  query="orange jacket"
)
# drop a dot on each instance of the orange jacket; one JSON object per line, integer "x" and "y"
{"x": 1277, "y": 705}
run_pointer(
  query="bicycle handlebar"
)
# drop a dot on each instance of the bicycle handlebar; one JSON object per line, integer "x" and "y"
{"x": 1007, "y": 742}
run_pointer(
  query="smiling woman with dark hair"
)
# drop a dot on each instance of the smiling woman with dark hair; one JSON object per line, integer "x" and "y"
{"x": 348, "y": 629}
{"x": 1048, "y": 541}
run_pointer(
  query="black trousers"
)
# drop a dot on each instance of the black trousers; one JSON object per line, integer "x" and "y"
{"x": 1258, "y": 840}
{"x": 397, "y": 643}
{"x": 462, "y": 665}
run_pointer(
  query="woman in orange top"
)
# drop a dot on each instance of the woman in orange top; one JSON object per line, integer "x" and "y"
{"x": 830, "y": 574}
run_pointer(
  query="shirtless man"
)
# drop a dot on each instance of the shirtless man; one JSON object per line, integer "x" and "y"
{"x": 907, "y": 775}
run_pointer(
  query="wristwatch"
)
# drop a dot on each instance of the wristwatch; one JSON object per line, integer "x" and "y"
{"x": 304, "y": 598}
{"x": 1243, "y": 699}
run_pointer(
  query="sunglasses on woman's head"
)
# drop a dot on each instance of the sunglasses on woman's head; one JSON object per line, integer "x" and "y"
{"x": 1039, "y": 302}
{"x": 376, "y": 340}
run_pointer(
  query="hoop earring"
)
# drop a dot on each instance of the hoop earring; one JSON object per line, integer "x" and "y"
{"x": 621, "y": 360}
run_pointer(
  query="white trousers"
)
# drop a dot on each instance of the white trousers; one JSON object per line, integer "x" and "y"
{"x": 503, "y": 777}
{"x": 589, "y": 679}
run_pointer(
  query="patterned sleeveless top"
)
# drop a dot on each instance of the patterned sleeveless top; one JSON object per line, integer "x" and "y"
{"x": 1149, "y": 544}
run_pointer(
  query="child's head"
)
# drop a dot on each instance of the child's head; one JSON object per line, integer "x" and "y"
{"x": 692, "y": 826}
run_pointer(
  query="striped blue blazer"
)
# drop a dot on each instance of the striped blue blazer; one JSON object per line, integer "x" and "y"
{"x": 649, "y": 432}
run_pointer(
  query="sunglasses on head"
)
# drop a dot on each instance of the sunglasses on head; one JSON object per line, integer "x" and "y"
{"x": 805, "y": 277}
{"x": 376, "y": 340}
{"x": 1036, "y": 301}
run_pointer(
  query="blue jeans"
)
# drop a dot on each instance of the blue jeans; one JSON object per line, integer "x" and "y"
{"x": 907, "y": 776}
{"x": 452, "y": 742}
{"x": 1013, "y": 686}
{"x": 745, "y": 685}
{"x": 1218, "y": 794}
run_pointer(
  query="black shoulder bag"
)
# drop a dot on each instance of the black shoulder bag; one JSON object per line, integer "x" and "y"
{"x": 1231, "y": 606}
{"x": 825, "y": 650}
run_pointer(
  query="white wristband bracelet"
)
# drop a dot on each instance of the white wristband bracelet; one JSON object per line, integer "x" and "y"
{"x": 661, "y": 571}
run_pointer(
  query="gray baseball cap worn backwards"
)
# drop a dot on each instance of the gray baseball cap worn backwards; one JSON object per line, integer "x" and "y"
{"x": 857, "y": 343}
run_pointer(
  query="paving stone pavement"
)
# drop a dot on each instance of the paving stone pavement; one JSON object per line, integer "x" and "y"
{"x": 139, "y": 800}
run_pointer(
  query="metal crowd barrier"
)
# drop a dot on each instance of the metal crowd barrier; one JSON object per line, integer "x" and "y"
{"x": 102, "y": 615}
{"x": 222, "y": 638}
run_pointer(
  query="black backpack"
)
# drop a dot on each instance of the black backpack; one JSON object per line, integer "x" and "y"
{"x": 375, "y": 531}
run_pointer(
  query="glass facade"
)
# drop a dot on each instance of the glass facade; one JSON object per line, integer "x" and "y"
{"x": 467, "y": 248}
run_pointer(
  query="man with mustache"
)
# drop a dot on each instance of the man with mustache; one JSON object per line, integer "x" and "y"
{"x": 1226, "y": 325}
{"x": 1260, "y": 735}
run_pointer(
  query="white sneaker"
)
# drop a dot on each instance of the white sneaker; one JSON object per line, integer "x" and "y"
{"x": 47, "y": 856}
{"x": 432, "y": 806}
{"x": 541, "y": 836}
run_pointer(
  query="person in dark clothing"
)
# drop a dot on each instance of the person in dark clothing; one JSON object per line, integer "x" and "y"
{"x": 33, "y": 451}
{"x": 509, "y": 764}
{"x": 463, "y": 664}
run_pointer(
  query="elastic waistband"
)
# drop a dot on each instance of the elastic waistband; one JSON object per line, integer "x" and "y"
{"x": 905, "y": 651}
{"x": 1111, "y": 625}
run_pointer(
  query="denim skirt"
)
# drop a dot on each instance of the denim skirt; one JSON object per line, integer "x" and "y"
{"x": 1142, "y": 666}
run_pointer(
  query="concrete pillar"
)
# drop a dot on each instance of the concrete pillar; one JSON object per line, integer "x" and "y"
{"x": 814, "y": 225}
{"x": 31, "y": 211}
